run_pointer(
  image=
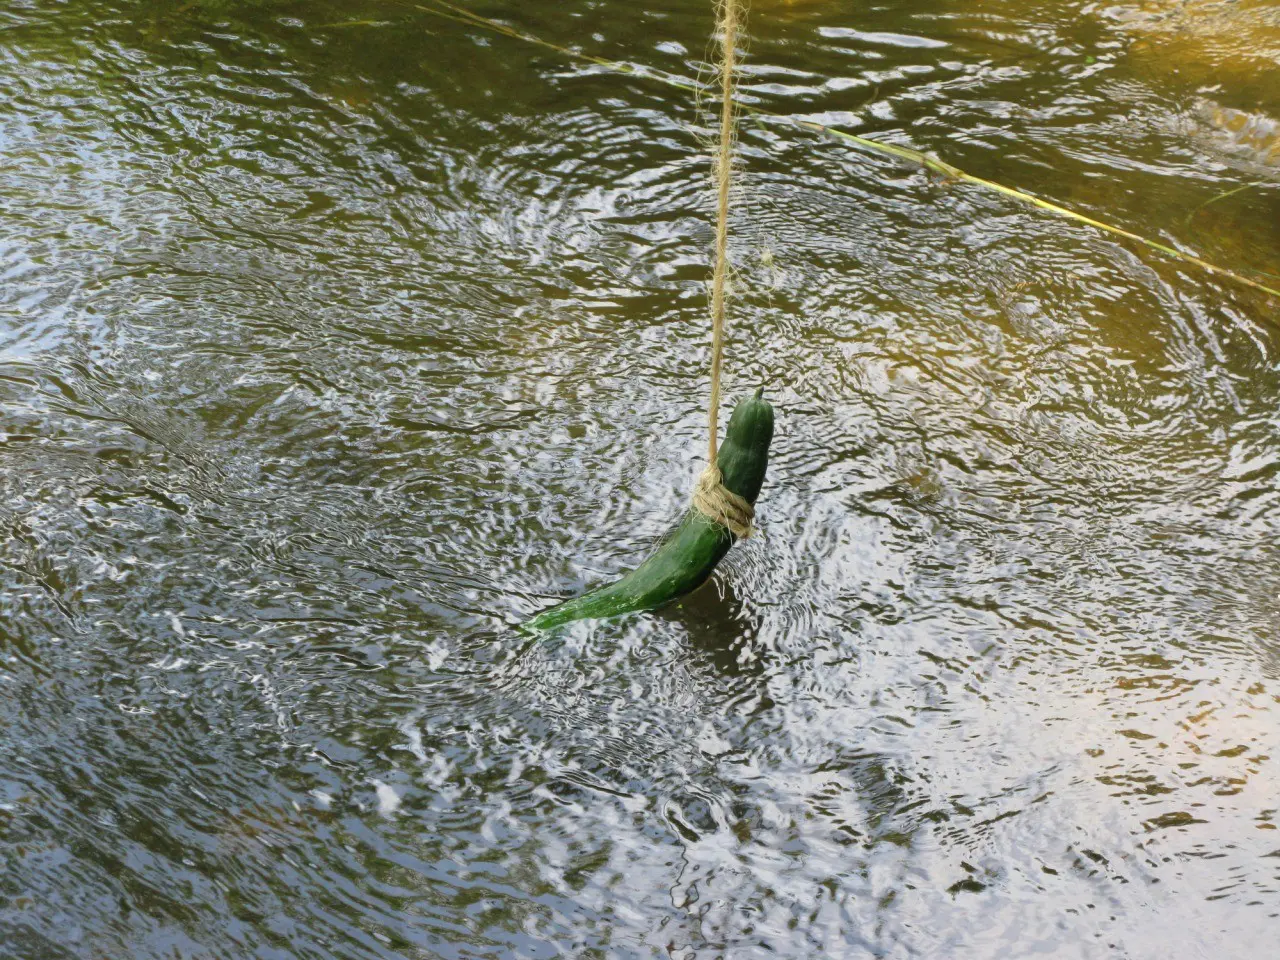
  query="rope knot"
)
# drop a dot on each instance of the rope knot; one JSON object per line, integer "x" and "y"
{"x": 718, "y": 503}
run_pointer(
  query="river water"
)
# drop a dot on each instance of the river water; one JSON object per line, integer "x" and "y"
{"x": 338, "y": 337}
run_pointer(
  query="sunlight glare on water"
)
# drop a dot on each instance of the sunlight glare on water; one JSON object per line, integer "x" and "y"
{"x": 337, "y": 338}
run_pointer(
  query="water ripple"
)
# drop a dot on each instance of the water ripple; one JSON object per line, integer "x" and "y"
{"x": 333, "y": 342}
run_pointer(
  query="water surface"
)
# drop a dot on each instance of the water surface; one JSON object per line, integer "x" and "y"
{"x": 338, "y": 337}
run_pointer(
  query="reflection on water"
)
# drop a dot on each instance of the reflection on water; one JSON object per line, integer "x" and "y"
{"x": 337, "y": 338}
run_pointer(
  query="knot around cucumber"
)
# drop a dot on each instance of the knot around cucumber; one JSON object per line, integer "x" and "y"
{"x": 715, "y": 501}
{"x": 699, "y": 542}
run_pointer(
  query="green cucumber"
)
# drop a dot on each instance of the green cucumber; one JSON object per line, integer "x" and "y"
{"x": 685, "y": 560}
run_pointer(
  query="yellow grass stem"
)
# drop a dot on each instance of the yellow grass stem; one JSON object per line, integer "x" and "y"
{"x": 929, "y": 161}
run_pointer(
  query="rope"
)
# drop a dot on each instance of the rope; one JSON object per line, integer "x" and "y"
{"x": 723, "y": 167}
{"x": 711, "y": 497}
{"x": 716, "y": 502}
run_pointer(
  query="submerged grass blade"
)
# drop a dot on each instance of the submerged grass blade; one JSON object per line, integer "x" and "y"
{"x": 929, "y": 161}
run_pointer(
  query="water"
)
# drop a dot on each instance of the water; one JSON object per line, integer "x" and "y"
{"x": 336, "y": 338}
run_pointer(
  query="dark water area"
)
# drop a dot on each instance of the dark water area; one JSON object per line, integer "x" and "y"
{"x": 336, "y": 338}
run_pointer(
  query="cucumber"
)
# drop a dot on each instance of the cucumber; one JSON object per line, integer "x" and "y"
{"x": 687, "y": 557}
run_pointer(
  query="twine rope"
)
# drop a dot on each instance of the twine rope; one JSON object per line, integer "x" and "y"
{"x": 711, "y": 497}
{"x": 729, "y": 32}
{"x": 718, "y": 503}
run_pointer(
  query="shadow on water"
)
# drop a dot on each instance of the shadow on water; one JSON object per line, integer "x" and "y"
{"x": 719, "y": 625}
